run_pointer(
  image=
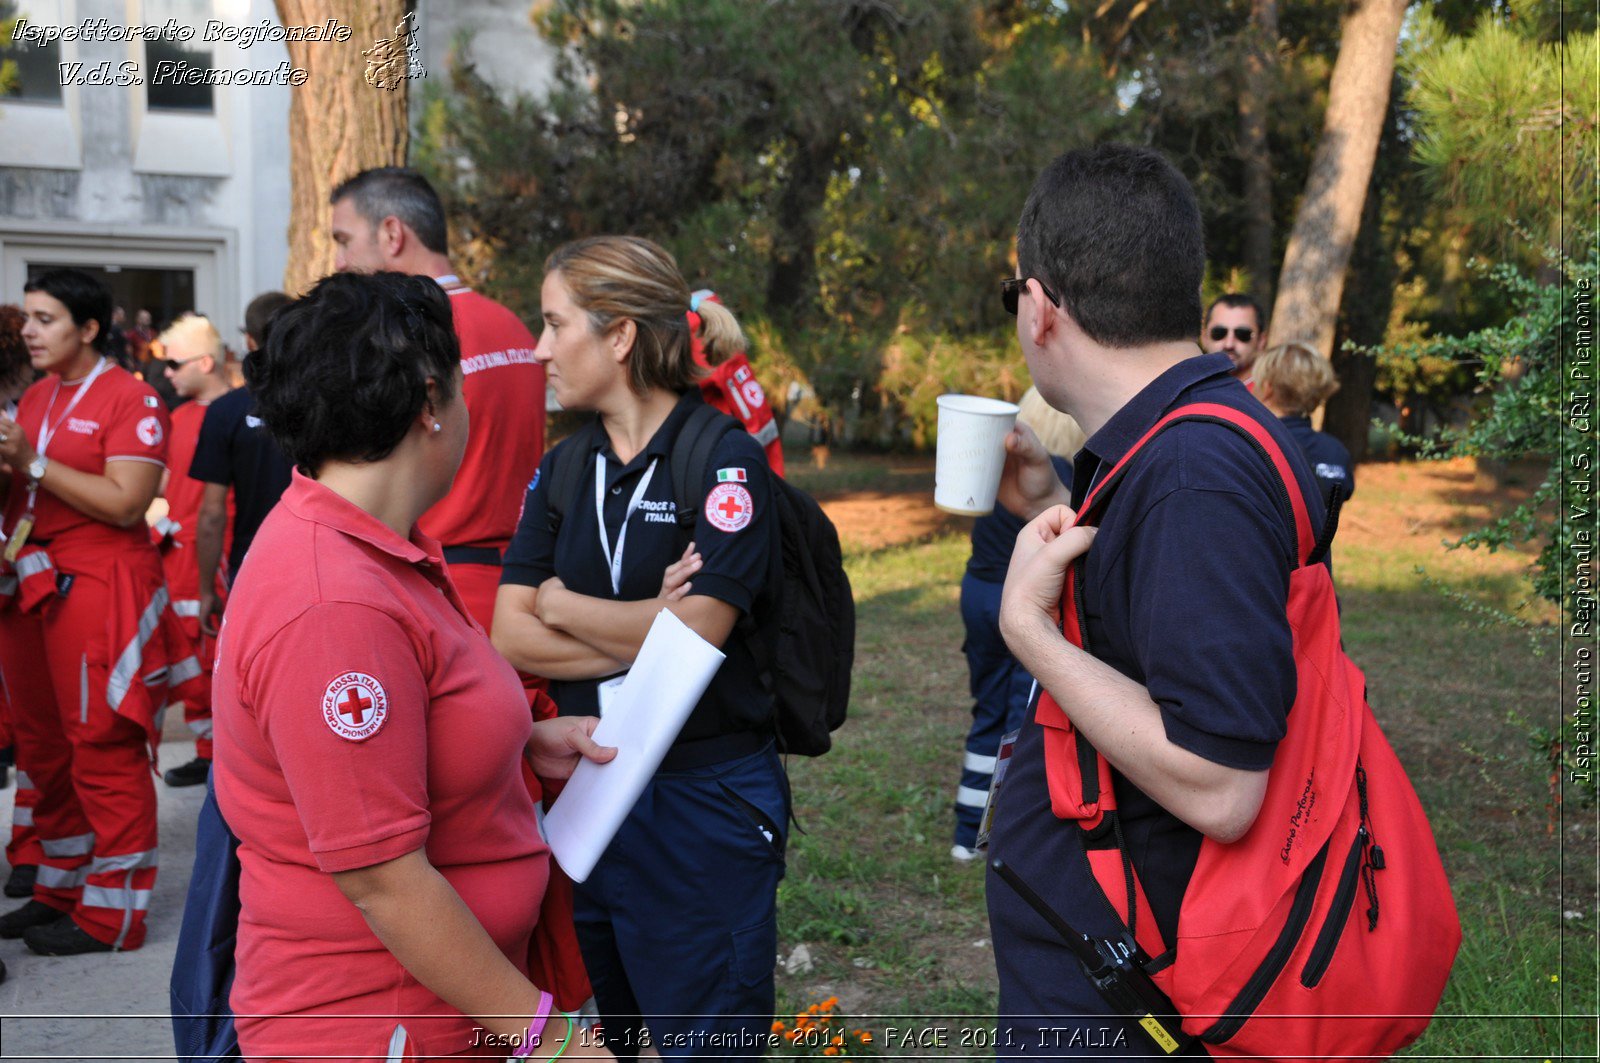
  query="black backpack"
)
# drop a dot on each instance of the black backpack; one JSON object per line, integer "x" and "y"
{"x": 803, "y": 631}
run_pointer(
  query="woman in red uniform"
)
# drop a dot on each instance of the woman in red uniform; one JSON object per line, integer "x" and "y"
{"x": 87, "y": 649}
{"x": 369, "y": 740}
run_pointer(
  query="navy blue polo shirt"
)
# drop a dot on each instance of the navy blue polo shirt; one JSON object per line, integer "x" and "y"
{"x": 1329, "y": 460}
{"x": 737, "y": 550}
{"x": 1185, "y": 591}
{"x": 236, "y": 450}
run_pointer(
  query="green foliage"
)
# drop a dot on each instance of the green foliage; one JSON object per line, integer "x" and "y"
{"x": 8, "y": 28}
{"x": 1521, "y": 375}
{"x": 1529, "y": 382}
{"x": 1507, "y": 125}
{"x": 847, "y": 176}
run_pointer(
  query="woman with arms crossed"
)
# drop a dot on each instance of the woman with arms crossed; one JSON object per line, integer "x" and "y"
{"x": 367, "y": 735}
{"x": 677, "y": 922}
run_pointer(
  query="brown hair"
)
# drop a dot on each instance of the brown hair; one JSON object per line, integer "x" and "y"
{"x": 1297, "y": 375}
{"x": 628, "y": 278}
{"x": 15, "y": 368}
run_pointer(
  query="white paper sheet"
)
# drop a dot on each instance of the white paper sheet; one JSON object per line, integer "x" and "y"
{"x": 642, "y": 719}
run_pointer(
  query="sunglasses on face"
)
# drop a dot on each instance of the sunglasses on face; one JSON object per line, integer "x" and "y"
{"x": 176, "y": 364}
{"x": 1242, "y": 333}
{"x": 1011, "y": 290}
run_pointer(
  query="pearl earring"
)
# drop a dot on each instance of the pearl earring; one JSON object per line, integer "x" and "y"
{"x": 437, "y": 427}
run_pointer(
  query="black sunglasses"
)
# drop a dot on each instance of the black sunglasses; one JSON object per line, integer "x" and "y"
{"x": 1011, "y": 290}
{"x": 1242, "y": 333}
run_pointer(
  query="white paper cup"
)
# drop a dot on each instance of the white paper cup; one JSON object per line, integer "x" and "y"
{"x": 972, "y": 433}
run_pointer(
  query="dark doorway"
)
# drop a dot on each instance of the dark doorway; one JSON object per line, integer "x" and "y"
{"x": 164, "y": 293}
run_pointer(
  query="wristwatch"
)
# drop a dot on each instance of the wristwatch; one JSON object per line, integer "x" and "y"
{"x": 36, "y": 468}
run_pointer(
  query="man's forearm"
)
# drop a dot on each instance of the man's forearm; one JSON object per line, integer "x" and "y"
{"x": 210, "y": 529}
{"x": 1124, "y": 724}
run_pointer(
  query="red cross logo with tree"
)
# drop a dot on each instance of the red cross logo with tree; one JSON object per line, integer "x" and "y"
{"x": 729, "y": 507}
{"x": 354, "y": 706}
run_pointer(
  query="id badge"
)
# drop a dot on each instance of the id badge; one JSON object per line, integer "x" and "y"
{"x": 608, "y": 691}
{"x": 1002, "y": 761}
{"x": 19, "y": 539}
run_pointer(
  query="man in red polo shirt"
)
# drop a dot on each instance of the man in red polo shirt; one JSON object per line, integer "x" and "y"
{"x": 194, "y": 364}
{"x": 390, "y": 218}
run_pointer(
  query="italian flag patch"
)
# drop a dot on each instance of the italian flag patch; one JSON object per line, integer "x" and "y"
{"x": 731, "y": 476}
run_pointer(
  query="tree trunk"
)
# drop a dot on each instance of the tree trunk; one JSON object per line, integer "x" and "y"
{"x": 339, "y": 124}
{"x": 1260, "y": 61}
{"x": 1312, "y": 281}
{"x": 1368, "y": 302}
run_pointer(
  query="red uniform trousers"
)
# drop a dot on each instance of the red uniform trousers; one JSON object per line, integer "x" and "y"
{"x": 183, "y": 584}
{"x": 96, "y": 813}
{"x": 21, "y": 849}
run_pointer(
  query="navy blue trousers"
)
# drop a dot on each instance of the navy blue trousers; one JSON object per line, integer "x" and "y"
{"x": 1000, "y": 688}
{"x": 678, "y": 922}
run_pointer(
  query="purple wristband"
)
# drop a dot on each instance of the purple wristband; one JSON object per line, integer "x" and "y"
{"x": 536, "y": 1027}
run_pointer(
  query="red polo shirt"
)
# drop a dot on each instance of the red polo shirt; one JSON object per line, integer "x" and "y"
{"x": 504, "y": 390}
{"x": 114, "y": 416}
{"x": 360, "y": 715}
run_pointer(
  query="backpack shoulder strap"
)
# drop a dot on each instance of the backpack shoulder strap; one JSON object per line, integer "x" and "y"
{"x": 565, "y": 469}
{"x": 1110, "y": 861}
{"x": 691, "y": 456}
{"x": 1255, "y": 432}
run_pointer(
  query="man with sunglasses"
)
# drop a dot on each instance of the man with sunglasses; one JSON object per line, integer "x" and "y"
{"x": 1236, "y": 327}
{"x": 194, "y": 363}
{"x": 1188, "y": 673}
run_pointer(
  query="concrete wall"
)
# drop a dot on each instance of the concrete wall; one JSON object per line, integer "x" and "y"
{"x": 99, "y": 179}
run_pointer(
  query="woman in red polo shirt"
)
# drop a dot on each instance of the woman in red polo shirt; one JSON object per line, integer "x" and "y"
{"x": 368, "y": 737}
{"x": 88, "y": 651}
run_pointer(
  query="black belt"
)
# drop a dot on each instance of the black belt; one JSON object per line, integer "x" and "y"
{"x": 699, "y": 752}
{"x": 471, "y": 555}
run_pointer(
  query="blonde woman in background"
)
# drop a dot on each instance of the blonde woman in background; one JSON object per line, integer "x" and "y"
{"x": 1293, "y": 379}
{"x": 999, "y": 685}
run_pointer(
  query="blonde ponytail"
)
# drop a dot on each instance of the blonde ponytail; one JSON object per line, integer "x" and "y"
{"x": 720, "y": 332}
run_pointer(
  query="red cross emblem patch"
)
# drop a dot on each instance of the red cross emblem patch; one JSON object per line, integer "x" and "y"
{"x": 354, "y": 706}
{"x": 729, "y": 507}
{"x": 149, "y": 431}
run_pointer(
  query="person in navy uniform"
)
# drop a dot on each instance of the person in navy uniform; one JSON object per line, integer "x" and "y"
{"x": 678, "y": 922}
{"x": 1184, "y": 584}
{"x": 1293, "y": 379}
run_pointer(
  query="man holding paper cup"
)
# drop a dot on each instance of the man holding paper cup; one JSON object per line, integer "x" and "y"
{"x": 1184, "y": 584}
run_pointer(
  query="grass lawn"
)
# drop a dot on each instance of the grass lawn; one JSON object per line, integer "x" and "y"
{"x": 894, "y": 927}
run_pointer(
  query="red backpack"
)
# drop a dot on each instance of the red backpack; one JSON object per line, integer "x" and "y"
{"x": 1328, "y": 929}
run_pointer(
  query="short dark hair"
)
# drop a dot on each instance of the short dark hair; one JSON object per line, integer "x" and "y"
{"x": 259, "y": 313}
{"x": 85, "y": 298}
{"x": 1239, "y": 300}
{"x": 402, "y": 192}
{"x": 1115, "y": 233}
{"x": 346, "y": 366}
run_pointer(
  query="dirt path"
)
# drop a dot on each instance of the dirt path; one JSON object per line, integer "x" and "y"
{"x": 1394, "y": 501}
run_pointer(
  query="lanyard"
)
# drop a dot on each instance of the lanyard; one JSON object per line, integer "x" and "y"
{"x": 47, "y": 432}
{"x": 615, "y": 559}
